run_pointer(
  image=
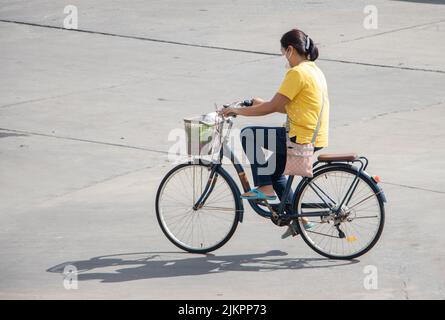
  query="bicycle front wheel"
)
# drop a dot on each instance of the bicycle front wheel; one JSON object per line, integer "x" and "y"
{"x": 346, "y": 233}
{"x": 204, "y": 229}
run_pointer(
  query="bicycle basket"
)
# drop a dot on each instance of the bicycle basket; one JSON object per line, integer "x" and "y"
{"x": 203, "y": 134}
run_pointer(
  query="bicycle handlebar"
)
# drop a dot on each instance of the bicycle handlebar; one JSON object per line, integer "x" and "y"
{"x": 247, "y": 103}
{"x": 238, "y": 104}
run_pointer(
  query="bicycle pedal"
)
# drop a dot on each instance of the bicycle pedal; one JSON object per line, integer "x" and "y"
{"x": 262, "y": 201}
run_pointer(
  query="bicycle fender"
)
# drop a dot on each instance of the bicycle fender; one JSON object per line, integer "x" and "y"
{"x": 380, "y": 194}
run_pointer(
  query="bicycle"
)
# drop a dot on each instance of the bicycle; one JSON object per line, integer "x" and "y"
{"x": 198, "y": 204}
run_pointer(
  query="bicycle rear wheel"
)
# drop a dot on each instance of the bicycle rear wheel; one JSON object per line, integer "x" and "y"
{"x": 207, "y": 228}
{"x": 358, "y": 226}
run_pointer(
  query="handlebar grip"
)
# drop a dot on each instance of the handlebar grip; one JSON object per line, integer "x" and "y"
{"x": 230, "y": 115}
{"x": 247, "y": 103}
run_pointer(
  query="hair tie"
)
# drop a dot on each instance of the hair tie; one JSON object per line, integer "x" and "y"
{"x": 308, "y": 43}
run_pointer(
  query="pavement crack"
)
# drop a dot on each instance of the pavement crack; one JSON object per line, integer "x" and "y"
{"x": 214, "y": 47}
{"x": 113, "y": 86}
{"x": 138, "y": 37}
{"x": 394, "y": 30}
{"x": 253, "y": 61}
{"x": 94, "y": 183}
{"x": 413, "y": 187}
{"x": 384, "y": 114}
{"x": 383, "y": 65}
{"x": 85, "y": 140}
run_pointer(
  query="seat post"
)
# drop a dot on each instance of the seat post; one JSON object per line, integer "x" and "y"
{"x": 286, "y": 192}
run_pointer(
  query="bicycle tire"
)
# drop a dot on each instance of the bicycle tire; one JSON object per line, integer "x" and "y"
{"x": 238, "y": 208}
{"x": 365, "y": 178}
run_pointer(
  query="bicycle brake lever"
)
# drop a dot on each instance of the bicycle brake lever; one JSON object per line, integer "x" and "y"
{"x": 233, "y": 115}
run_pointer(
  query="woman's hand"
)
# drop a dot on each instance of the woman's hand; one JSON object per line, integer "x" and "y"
{"x": 259, "y": 107}
{"x": 228, "y": 112}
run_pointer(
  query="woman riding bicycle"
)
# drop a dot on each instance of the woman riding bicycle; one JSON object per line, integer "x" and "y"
{"x": 300, "y": 97}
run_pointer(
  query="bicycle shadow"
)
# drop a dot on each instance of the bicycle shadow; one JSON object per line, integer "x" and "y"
{"x": 148, "y": 265}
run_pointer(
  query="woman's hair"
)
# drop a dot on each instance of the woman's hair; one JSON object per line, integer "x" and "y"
{"x": 301, "y": 42}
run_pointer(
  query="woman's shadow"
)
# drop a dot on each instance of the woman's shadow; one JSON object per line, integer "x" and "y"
{"x": 147, "y": 265}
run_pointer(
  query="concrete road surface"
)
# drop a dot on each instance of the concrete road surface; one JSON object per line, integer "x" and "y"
{"x": 85, "y": 116}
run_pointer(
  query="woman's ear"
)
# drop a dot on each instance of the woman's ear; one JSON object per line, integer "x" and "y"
{"x": 289, "y": 50}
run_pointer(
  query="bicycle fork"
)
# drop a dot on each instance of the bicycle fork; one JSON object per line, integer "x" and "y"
{"x": 211, "y": 182}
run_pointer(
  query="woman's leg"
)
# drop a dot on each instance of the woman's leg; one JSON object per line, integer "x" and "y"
{"x": 292, "y": 229}
{"x": 254, "y": 140}
{"x": 279, "y": 181}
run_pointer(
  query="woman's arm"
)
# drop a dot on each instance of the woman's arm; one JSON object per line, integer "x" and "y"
{"x": 256, "y": 101}
{"x": 261, "y": 108}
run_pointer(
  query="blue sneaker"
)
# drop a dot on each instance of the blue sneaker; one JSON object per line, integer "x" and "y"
{"x": 255, "y": 194}
{"x": 292, "y": 229}
{"x": 308, "y": 225}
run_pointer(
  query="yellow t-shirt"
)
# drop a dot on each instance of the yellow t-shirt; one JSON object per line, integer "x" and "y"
{"x": 303, "y": 85}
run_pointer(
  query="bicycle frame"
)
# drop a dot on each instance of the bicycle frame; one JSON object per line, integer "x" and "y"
{"x": 284, "y": 208}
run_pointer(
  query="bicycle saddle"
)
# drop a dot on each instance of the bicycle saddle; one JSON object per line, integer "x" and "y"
{"x": 324, "y": 157}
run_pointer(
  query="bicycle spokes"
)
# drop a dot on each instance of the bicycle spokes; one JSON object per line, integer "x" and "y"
{"x": 347, "y": 213}
{"x": 196, "y": 208}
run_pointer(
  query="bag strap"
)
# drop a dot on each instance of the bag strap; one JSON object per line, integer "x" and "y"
{"x": 317, "y": 128}
{"x": 314, "y": 137}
